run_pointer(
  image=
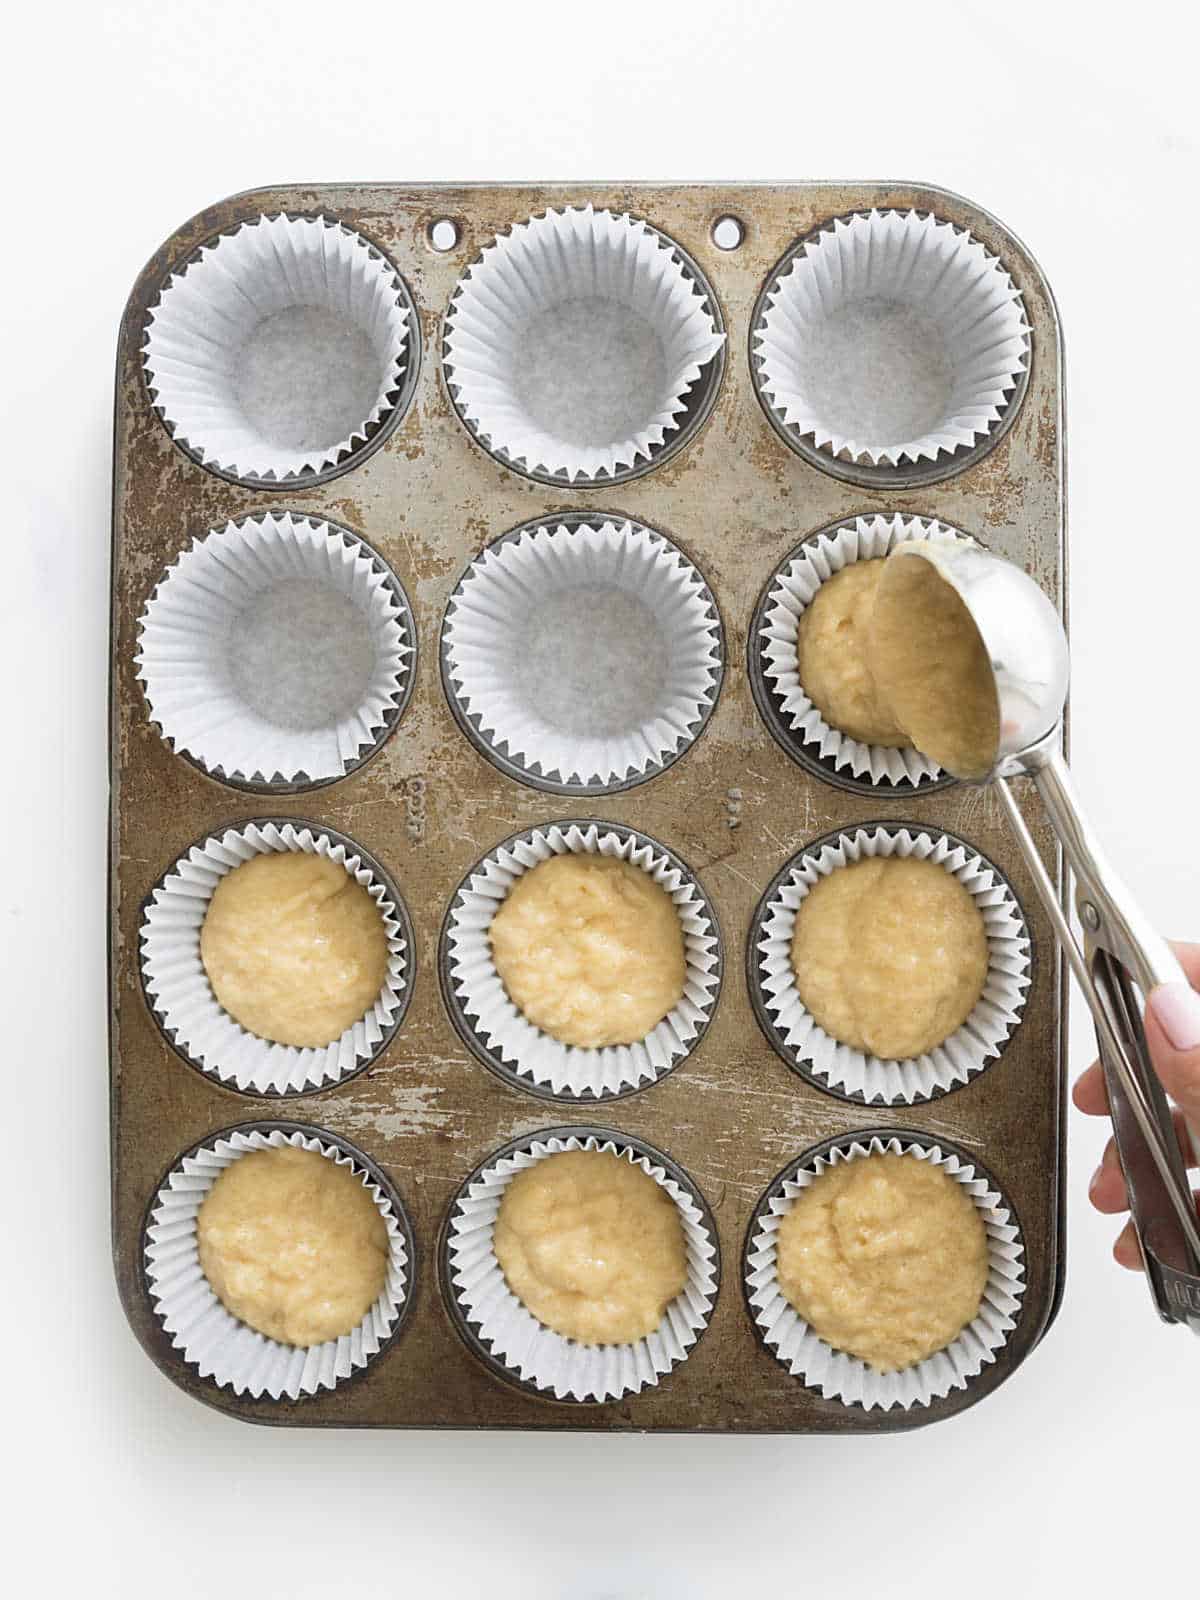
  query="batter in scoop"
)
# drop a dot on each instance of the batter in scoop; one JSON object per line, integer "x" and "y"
{"x": 925, "y": 654}
{"x": 591, "y": 1246}
{"x": 885, "y": 1257}
{"x": 889, "y": 955}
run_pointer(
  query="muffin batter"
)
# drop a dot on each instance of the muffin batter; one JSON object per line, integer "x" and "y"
{"x": 591, "y": 1246}
{"x": 294, "y": 948}
{"x": 890, "y": 955}
{"x": 589, "y": 949}
{"x": 884, "y": 1257}
{"x": 925, "y": 653}
{"x": 832, "y": 661}
{"x": 293, "y": 1245}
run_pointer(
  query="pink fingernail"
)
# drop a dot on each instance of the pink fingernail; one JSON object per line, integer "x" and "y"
{"x": 1176, "y": 1007}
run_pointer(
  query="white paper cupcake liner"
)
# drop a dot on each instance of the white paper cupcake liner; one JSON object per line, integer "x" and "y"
{"x": 199, "y": 332}
{"x": 497, "y": 1032}
{"x": 180, "y": 996}
{"x": 839, "y": 1376}
{"x": 210, "y": 1338}
{"x": 511, "y": 1340}
{"x": 504, "y": 322}
{"x": 891, "y": 339}
{"x": 549, "y": 653}
{"x": 841, "y": 1069}
{"x": 267, "y": 574}
{"x": 787, "y": 597}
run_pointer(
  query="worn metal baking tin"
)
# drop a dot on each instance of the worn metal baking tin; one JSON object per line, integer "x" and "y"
{"x": 736, "y": 499}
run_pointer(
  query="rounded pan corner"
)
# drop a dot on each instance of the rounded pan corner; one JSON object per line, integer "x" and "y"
{"x": 1035, "y": 266}
{"x": 183, "y": 239}
{"x": 160, "y": 1356}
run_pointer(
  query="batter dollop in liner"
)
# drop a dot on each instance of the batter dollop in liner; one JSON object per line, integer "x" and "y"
{"x": 504, "y": 1039}
{"x": 209, "y": 1337}
{"x": 843, "y": 1068}
{"x": 181, "y": 997}
{"x": 510, "y": 1339}
{"x": 841, "y": 1376}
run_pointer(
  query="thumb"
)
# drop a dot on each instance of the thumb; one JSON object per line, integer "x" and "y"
{"x": 1173, "y": 1034}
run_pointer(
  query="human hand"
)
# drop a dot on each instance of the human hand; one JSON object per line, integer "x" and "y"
{"x": 1173, "y": 1035}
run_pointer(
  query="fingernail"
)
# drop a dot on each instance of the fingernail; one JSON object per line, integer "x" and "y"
{"x": 1176, "y": 1008}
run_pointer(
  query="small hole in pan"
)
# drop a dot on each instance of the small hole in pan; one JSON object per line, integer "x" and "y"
{"x": 443, "y": 234}
{"x": 728, "y": 233}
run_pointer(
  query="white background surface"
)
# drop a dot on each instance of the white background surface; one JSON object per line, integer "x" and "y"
{"x": 120, "y": 120}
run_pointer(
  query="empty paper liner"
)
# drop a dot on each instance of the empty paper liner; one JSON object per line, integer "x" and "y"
{"x": 573, "y": 340}
{"x": 582, "y": 655}
{"x": 278, "y": 349}
{"x": 890, "y": 339}
{"x": 277, "y": 652}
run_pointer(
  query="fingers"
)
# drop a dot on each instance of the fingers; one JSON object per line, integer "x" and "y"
{"x": 1173, "y": 1034}
{"x": 1189, "y": 960}
{"x": 1107, "y": 1190}
{"x": 1090, "y": 1093}
{"x": 1127, "y": 1252}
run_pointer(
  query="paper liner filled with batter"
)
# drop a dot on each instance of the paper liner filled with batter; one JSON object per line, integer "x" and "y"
{"x": 839, "y": 1376}
{"x": 891, "y": 338}
{"x": 278, "y": 349}
{"x": 495, "y": 1027}
{"x": 512, "y": 1336}
{"x": 210, "y": 1338}
{"x": 276, "y": 651}
{"x": 790, "y": 593}
{"x": 587, "y": 655}
{"x": 572, "y": 342}
{"x": 839, "y": 1067}
{"x": 181, "y": 997}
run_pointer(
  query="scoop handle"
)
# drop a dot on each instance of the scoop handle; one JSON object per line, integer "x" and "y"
{"x": 1122, "y": 949}
{"x": 1111, "y": 918}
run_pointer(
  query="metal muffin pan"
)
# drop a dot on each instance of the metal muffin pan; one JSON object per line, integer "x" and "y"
{"x": 736, "y": 499}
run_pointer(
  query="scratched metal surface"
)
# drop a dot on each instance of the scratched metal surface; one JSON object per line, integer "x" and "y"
{"x": 736, "y": 500}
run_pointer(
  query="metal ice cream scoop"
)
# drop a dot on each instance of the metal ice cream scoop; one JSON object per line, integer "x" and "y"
{"x": 1030, "y": 663}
